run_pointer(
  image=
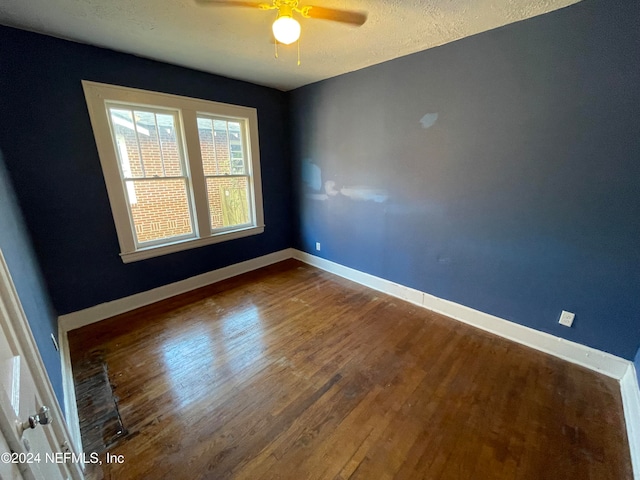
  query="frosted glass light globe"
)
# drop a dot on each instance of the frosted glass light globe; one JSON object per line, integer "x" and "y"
{"x": 286, "y": 30}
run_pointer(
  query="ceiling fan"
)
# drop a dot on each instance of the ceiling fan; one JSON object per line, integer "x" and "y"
{"x": 286, "y": 28}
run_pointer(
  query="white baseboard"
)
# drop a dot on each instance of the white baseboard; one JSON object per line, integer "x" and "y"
{"x": 631, "y": 403}
{"x": 605, "y": 363}
{"x": 588, "y": 357}
{"x": 69, "y": 391}
{"x": 96, "y": 313}
{"x": 573, "y": 352}
{"x": 106, "y": 310}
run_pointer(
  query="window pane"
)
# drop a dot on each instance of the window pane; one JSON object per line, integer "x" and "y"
{"x": 228, "y": 201}
{"x": 169, "y": 145}
{"x": 147, "y": 143}
{"x": 159, "y": 209}
{"x": 125, "y": 135}
{"x": 221, "y": 146}
{"x": 207, "y": 147}
{"x": 235, "y": 146}
{"x": 221, "y": 143}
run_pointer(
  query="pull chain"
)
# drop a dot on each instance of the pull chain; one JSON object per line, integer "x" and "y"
{"x": 275, "y": 46}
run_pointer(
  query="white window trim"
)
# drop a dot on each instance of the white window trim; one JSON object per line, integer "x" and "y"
{"x": 97, "y": 94}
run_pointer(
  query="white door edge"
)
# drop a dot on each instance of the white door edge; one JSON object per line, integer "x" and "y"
{"x": 22, "y": 332}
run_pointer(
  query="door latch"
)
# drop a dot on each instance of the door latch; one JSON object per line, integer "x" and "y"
{"x": 41, "y": 418}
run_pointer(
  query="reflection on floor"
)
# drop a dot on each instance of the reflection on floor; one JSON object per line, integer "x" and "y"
{"x": 292, "y": 373}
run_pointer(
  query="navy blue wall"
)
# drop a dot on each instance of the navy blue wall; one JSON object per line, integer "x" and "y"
{"x": 520, "y": 198}
{"x": 25, "y": 272}
{"x": 53, "y": 162}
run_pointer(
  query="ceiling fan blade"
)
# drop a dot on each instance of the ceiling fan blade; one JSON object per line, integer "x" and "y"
{"x": 231, "y": 3}
{"x": 344, "y": 16}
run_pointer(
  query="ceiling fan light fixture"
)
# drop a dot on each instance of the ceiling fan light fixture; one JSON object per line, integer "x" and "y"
{"x": 286, "y": 29}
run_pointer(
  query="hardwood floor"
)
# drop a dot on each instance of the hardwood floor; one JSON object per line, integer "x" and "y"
{"x": 293, "y": 373}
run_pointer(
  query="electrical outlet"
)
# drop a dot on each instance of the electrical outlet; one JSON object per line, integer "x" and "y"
{"x": 566, "y": 318}
{"x": 318, "y": 246}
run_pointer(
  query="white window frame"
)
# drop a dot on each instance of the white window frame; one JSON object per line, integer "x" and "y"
{"x": 99, "y": 94}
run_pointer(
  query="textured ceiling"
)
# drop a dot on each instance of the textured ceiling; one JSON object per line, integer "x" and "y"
{"x": 236, "y": 42}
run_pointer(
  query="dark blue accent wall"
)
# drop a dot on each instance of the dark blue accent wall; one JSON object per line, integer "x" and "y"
{"x": 501, "y": 172}
{"x": 52, "y": 159}
{"x": 25, "y": 272}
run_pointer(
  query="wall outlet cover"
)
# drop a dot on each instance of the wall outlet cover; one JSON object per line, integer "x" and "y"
{"x": 566, "y": 318}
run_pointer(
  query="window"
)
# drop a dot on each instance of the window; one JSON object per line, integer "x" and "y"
{"x": 180, "y": 172}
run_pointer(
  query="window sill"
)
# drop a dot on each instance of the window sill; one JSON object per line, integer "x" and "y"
{"x": 159, "y": 250}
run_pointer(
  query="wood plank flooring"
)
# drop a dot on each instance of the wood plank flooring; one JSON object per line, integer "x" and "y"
{"x": 293, "y": 373}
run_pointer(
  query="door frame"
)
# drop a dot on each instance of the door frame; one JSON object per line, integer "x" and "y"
{"x": 20, "y": 328}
